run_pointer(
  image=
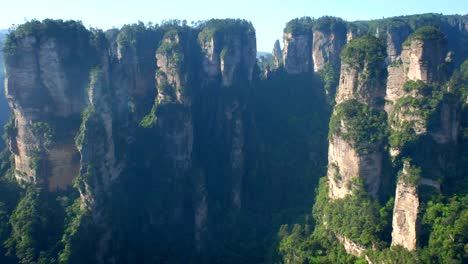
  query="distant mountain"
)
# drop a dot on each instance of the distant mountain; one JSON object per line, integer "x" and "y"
{"x": 263, "y": 53}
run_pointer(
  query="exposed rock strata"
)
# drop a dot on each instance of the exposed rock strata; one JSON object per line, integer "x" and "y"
{"x": 345, "y": 164}
{"x": 297, "y": 55}
{"x": 326, "y": 48}
{"x": 405, "y": 214}
{"x": 42, "y": 89}
{"x": 277, "y": 55}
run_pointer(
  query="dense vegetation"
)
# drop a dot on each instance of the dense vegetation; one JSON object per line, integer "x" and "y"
{"x": 315, "y": 239}
{"x": 285, "y": 119}
{"x": 214, "y": 28}
{"x": 426, "y": 33}
{"x": 299, "y": 26}
{"x": 364, "y": 127}
{"x": 367, "y": 50}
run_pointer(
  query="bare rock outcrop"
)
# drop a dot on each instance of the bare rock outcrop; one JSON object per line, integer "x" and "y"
{"x": 396, "y": 35}
{"x": 277, "y": 55}
{"x": 405, "y": 212}
{"x": 346, "y": 165}
{"x": 47, "y": 96}
{"x": 424, "y": 59}
{"x": 362, "y": 77}
{"x": 357, "y": 89}
{"x": 228, "y": 54}
{"x": 356, "y": 84}
{"x": 422, "y": 63}
{"x": 327, "y": 46}
{"x": 297, "y": 52}
{"x": 173, "y": 95}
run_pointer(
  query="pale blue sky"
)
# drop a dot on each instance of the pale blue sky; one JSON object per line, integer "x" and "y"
{"x": 268, "y": 16}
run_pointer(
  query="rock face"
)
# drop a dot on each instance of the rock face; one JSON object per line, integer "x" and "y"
{"x": 395, "y": 38}
{"x": 95, "y": 141}
{"x": 277, "y": 55}
{"x": 81, "y": 103}
{"x": 421, "y": 65}
{"x": 356, "y": 83}
{"x": 345, "y": 164}
{"x": 297, "y": 55}
{"x": 449, "y": 126}
{"x": 326, "y": 48}
{"x": 405, "y": 214}
{"x": 237, "y": 55}
{"x": 87, "y": 106}
{"x": 42, "y": 89}
{"x": 173, "y": 90}
{"x": 421, "y": 60}
{"x": 228, "y": 54}
{"x": 395, "y": 82}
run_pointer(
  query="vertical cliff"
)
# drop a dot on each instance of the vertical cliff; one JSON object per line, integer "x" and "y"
{"x": 421, "y": 111}
{"x": 416, "y": 78}
{"x": 45, "y": 86}
{"x": 360, "y": 93}
{"x": 363, "y": 72}
{"x": 297, "y": 50}
{"x": 395, "y": 36}
{"x": 173, "y": 99}
{"x": 419, "y": 115}
{"x": 171, "y": 116}
{"x": 277, "y": 55}
{"x": 159, "y": 143}
{"x": 405, "y": 213}
{"x": 228, "y": 55}
{"x": 329, "y": 37}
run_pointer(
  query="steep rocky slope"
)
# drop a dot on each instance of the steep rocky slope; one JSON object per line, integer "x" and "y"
{"x": 165, "y": 144}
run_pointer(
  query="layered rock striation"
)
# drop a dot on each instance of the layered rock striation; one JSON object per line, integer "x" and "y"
{"x": 45, "y": 88}
{"x": 406, "y": 209}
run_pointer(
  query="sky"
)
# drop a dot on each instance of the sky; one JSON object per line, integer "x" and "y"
{"x": 268, "y": 16}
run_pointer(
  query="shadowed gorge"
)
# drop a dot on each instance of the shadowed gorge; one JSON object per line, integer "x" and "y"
{"x": 177, "y": 144}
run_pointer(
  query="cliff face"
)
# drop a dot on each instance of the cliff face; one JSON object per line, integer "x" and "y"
{"x": 297, "y": 57}
{"x": 419, "y": 59}
{"x": 346, "y": 165}
{"x": 327, "y": 46}
{"x": 422, "y": 69}
{"x": 81, "y": 115}
{"x": 405, "y": 212}
{"x": 424, "y": 59}
{"x": 277, "y": 55}
{"x": 228, "y": 54}
{"x": 416, "y": 74}
{"x": 46, "y": 95}
{"x": 395, "y": 37}
{"x": 358, "y": 84}
{"x": 237, "y": 54}
{"x": 173, "y": 95}
{"x": 170, "y": 140}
